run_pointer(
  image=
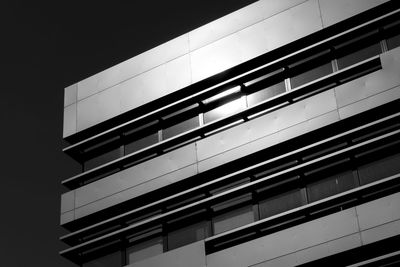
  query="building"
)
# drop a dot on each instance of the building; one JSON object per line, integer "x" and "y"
{"x": 269, "y": 137}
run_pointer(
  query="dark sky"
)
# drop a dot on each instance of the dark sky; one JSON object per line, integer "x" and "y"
{"x": 46, "y": 46}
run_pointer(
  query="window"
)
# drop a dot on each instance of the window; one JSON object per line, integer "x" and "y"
{"x": 359, "y": 56}
{"x": 103, "y": 158}
{"x": 187, "y": 234}
{"x": 311, "y": 75}
{"x": 331, "y": 185}
{"x": 233, "y": 219}
{"x": 225, "y": 110}
{"x": 139, "y": 144}
{"x": 113, "y": 259}
{"x": 144, "y": 250}
{"x": 266, "y": 93}
{"x": 280, "y": 203}
{"x": 181, "y": 127}
{"x": 379, "y": 169}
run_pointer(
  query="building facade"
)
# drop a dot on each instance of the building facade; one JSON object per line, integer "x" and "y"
{"x": 269, "y": 137}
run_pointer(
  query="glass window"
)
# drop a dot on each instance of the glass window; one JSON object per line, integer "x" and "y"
{"x": 144, "y": 250}
{"x": 141, "y": 143}
{"x": 359, "y": 56}
{"x": 379, "y": 169}
{"x": 225, "y": 110}
{"x": 311, "y": 75}
{"x": 330, "y": 186}
{"x": 280, "y": 203}
{"x": 393, "y": 42}
{"x": 103, "y": 158}
{"x": 233, "y": 219}
{"x": 181, "y": 127}
{"x": 266, "y": 93}
{"x": 113, "y": 259}
{"x": 187, "y": 235}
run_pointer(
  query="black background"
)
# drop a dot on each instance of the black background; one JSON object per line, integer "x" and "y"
{"x": 46, "y": 46}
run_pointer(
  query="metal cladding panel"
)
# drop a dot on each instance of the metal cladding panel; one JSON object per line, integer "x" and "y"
{"x": 256, "y": 39}
{"x": 238, "y": 20}
{"x": 70, "y": 94}
{"x": 287, "y": 241}
{"x": 266, "y": 125}
{"x": 269, "y": 140}
{"x": 373, "y": 83}
{"x": 178, "y": 75}
{"x": 379, "y": 211}
{"x": 314, "y": 253}
{"x": 143, "y": 88}
{"x": 215, "y": 57}
{"x": 136, "y": 191}
{"x": 67, "y": 217}
{"x": 134, "y": 66}
{"x": 98, "y": 108}
{"x": 381, "y": 232}
{"x": 67, "y": 201}
{"x": 69, "y": 120}
{"x": 369, "y": 103}
{"x": 192, "y": 255}
{"x": 328, "y": 248}
{"x": 280, "y": 29}
{"x": 338, "y": 10}
{"x": 135, "y": 175}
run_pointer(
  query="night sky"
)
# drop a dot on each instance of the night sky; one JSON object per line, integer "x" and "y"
{"x": 46, "y": 46}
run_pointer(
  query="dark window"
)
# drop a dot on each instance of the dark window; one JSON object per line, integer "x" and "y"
{"x": 141, "y": 143}
{"x": 311, "y": 75}
{"x": 280, "y": 203}
{"x": 113, "y": 259}
{"x": 144, "y": 250}
{"x": 187, "y": 234}
{"x": 393, "y": 42}
{"x": 359, "y": 56}
{"x": 233, "y": 219}
{"x": 181, "y": 127}
{"x": 266, "y": 93}
{"x": 330, "y": 186}
{"x": 103, "y": 158}
{"x": 379, "y": 169}
{"x": 224, "y": 110}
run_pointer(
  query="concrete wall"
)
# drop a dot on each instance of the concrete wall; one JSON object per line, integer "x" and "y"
{"x": 341, "y": 231}
{"x": 201, "y": 53}
{"x": 312, "y": 113}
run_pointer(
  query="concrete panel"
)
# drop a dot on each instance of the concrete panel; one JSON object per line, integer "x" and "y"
{"x": 69, "y": 127}
{"x": 266, "y": 125}
{"x": 135, "y": 191}
{"x": 280, "y": 29}
{"x": 215, "y": 57}
{"x": 67, "y": 217}
{"x": 70, "y": 94}
{"x": 134, "y": 66}
{"x": 143, "y": 88}
{"x": 192, "y": 255}
{"x": 381, "y": 232}
{"x": 314, "y": 253}
{"x": 287, "y": 241}
{"x": 379, "y": 211}
{"x": 237, "y": 20}
{"x": 369, "y": 103}
{"x": 135, "y": 175}
{"x": 328, "y": 248}
{"x": 178, "y": 74}
{"x": 98, "y": 108}
{"x": 373, "y": 83}
{"x": 269, "y": 140}
{"x": 67, "y": 201}
{"x": 338, "y": 10}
